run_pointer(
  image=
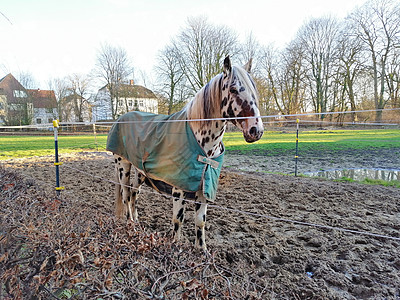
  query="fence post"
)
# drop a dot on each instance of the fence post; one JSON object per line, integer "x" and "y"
{"x": 57, "y": 163}
{"x": 95, "y": 136}
{"x": 297, "y": 148}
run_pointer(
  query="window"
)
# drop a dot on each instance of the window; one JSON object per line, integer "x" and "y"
{"x": 130, "y": 103}
{"x": 49, "y": 110}
{"x": 19, "y": 94}
{"x": 140, "y": 102}
{"x": 38, "y": 121}
{"x": 50, "y": 120}
{"x": 120, "y": 103}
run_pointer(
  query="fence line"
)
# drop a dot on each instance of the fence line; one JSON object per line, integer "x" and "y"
{"x": 105, "y": 123}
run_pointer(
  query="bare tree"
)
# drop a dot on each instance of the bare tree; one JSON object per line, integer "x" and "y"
{"x": 78, "y": 88}
{"x": 113, "y": 67}
{"x": 393, "y": 78}
{"x": 284, "y": 72}
{"x": 250, "y": 50}
{"x": 269, "y": 68}
{"x": 350, "y": 67}
{"x": 319, "y": 37}
{"x": 171, "y": 77}
{"x": 27, "y": 80}
{"x": 60, "y": 88}
{"x": 202, "y": 48}
{"x": 377, "y": 26}
{"x": 292, "y": 82}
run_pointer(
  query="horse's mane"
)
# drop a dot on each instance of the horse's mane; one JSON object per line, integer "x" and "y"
{"x": 206, "y": 104}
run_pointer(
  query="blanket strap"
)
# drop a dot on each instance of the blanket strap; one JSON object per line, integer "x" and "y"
{"x": 214, "y": 164}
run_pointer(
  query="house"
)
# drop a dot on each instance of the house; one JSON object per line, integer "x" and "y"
{"x": 44, "y": 106}
{"x": 129, "y": 97}
{"x": 20, "y": 106}
{"x": 16, "y": 107}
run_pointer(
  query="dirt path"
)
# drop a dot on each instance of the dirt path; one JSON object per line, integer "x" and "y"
{"x": 288, "y": 260}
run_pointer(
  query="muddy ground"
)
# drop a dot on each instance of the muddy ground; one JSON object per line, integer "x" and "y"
{"x": 285, "y": 259}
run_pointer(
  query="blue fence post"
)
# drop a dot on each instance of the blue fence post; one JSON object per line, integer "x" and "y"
{"x": 57, "y": 163}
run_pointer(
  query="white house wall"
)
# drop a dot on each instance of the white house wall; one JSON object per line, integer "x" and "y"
{"x": 43, "y": 115}
{"x": 142, "y": 104}
{"x": 102, "y": 105}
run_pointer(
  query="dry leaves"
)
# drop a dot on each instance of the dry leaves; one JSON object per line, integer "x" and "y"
{"x": 61, "y": 249}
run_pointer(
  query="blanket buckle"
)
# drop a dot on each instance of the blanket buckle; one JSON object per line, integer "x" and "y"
{"x": 214, "y": 164}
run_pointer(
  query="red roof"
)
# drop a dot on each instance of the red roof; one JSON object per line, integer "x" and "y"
{"x": 43, "y": 98}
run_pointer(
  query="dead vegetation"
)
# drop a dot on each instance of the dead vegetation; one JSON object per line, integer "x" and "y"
{"x": 52, "y": 249}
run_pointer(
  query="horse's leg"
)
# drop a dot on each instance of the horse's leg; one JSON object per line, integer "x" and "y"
{"x": 135, "y": 190}
{"x": 119, "y": 205}
{"x": 200, "y": 222}
{"x": 178, "y": 212}
{"x": 123, "y": 171}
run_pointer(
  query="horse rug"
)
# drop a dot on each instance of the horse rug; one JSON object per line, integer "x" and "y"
{"x": 165, "y": 148}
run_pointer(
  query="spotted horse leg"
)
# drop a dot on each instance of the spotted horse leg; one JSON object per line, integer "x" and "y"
{"x": 125, "y": 193}
{"x": 137, "y": 182}
{"x": 200, "y": 222}
{"x": 178, "y": 213}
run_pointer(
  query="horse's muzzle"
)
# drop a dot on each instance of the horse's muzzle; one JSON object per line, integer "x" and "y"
{"x": 253, "y": 135}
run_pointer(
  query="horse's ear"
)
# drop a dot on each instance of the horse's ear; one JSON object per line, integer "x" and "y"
{"x": 247, "y": 66}
{"x": 227, "y": 65}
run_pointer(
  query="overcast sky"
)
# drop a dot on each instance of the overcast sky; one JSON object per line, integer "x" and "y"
{"x": 51, "y": 38}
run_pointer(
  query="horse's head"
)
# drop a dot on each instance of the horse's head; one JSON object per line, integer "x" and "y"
{"x": 240, "y": 100}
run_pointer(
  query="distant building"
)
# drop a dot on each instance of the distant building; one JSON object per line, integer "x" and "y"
{"x": 44, "y": 106}
{"x": 16, "y": 107}
{"x": 130, "y": 97}
{"x": 20, "y": 106}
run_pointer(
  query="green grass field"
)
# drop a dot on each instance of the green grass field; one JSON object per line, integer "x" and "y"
{"x": 276, "y": 143}
{"x": 26, "y": 146}
{"x": 272, "y": 143}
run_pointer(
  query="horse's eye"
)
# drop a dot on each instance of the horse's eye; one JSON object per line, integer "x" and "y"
{"x": 233, "y": 91}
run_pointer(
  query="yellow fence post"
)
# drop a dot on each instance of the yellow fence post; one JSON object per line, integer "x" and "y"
{"x": 57, "y": 163}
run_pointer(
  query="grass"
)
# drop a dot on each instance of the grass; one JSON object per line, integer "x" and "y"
{"x": 276, "y": 143}
{"x": 27, "y": 146}
{"x": 272, "y": 143}
{"x": 393, "y": 183}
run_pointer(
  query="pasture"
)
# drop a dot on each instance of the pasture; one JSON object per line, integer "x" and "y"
{"x": 273, "y": 143}
{"x": 271, "y": 236}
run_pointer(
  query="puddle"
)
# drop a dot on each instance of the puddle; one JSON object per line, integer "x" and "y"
{"x": 358, "y": 174}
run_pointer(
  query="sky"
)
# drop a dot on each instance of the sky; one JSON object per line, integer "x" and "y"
{"x": 53, "y": 39}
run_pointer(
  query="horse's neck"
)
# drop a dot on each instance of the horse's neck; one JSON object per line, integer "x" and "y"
{"x": 209, "y": 133}
{"x": 209, "y": 137}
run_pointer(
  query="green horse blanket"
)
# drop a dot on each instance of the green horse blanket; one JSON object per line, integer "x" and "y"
{"x": 165, "y": 148}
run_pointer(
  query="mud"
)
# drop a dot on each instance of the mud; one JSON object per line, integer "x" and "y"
{"x": 283, "y": 233}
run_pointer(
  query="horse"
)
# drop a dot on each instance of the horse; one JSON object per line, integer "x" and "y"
{"x": 191, "y": 143}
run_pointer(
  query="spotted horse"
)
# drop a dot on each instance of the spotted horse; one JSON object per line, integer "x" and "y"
{"x": 181, "y": 154}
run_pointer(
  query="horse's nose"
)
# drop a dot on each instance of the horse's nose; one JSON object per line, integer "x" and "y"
{"x": 253, "y": 131}
{"x": 255, "y": 134}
